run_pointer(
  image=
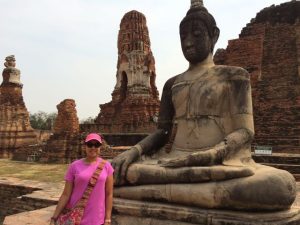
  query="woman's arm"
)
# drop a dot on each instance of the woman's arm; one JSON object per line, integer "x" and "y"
{"x": 109, "y": 184}
{"x": 63, "y": 200}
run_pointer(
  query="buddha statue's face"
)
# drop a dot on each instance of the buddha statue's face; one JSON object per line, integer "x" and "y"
{"x": 196, "y": 43}
{"x": 12, "y": 63}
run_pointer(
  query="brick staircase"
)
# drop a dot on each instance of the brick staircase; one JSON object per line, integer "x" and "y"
{"x": 284, "y": 161}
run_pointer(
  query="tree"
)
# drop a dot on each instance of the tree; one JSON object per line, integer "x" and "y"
{"x": 42, "y": 120}
{"x": 89, "y": 120}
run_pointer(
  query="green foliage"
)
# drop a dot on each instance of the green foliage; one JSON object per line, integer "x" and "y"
{"x": 89, "y": 120}
{"x": 42, "y": 120}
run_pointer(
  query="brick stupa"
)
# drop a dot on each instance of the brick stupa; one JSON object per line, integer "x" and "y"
{"x": 269, "y": 48}
{"x": 135, "y": 99}
{"x": 65, "y": 143}
{"x": 16, "y": 132}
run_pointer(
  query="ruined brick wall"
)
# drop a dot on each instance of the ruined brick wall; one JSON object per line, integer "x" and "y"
{"x": 114, "y": 139}
{"x": 269, "y": 48}
{"x": 135, "y": 97}
{"x": 246, "y": 51}
{"x": 134, "y": 115}
{"x": 15, "y": 129}
{"x": 62, "y": 149}
{"x": 111, "y": 152}
{"x": 66, "y": 121}
{"x": 65, "y": 144}
{"x": 43, "y": 135}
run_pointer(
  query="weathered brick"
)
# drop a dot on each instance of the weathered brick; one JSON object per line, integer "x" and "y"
{"x": 269, "y": 48}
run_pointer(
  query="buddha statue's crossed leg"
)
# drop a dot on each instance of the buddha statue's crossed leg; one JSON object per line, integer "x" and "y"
{"x": 155, "y": 174}
{"x": 267, "y": 189}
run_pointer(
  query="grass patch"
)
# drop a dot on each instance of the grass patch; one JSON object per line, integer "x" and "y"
{"x": 32, "y": 170}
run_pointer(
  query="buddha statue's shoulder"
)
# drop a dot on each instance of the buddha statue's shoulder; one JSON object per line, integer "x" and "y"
{"x": 170, "y": 82}
{"x": 230, "y": 73}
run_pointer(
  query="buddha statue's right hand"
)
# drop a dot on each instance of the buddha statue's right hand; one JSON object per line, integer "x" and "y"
{"x": 122, "y": 162}
{"x": 208, "y": 157}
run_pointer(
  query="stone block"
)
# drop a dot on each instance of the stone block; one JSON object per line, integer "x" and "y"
{"x": 131, "y": 212}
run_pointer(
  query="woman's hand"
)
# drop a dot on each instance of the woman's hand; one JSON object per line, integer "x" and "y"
{"x": 52, "y": 221}
{"x": 107, "y": 222}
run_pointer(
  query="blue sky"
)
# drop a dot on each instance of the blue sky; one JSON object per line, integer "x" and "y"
{"x": 68, "y": 48}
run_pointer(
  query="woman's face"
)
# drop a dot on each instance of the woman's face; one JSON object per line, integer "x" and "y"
{"x": 196, "y": 43}
{"x": 92, "y": 149}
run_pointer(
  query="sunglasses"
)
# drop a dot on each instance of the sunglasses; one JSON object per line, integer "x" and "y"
{"x": 90, "y": 144}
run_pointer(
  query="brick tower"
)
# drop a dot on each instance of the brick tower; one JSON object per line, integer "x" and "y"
{"x": 135, "y": 99}
{"x": 16, "y": 132}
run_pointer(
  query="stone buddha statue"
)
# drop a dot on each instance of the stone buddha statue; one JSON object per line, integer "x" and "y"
{"x": 10, "y": 73}
{"x": 200, "y": 154}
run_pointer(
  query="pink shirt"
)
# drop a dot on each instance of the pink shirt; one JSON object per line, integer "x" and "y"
{"x": 80, "y": 173}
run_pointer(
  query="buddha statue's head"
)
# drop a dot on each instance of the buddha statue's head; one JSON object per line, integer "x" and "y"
{"x": 198, "y": 33}
{"x": 10, "y": 61}
{"x": 11, "y": 74}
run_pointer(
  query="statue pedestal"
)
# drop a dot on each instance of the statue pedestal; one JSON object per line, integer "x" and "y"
{"x": 132, "y": 212}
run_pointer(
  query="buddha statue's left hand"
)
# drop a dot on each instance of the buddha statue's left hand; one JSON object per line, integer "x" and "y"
{"x": 208, "y": 157}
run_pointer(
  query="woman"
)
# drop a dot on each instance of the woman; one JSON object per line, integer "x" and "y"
{"x": 99, "y": 206}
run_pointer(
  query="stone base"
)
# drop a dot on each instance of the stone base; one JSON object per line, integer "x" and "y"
{"x": 130, "y": 212}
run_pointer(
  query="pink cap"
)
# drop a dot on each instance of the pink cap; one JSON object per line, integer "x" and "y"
{"x": 93, "y": 136}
